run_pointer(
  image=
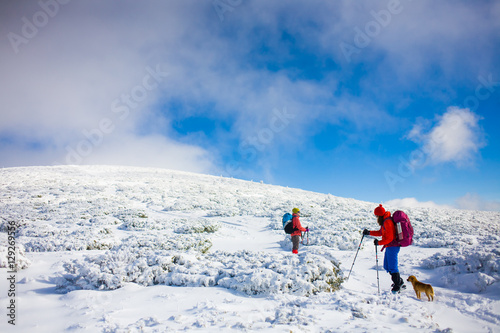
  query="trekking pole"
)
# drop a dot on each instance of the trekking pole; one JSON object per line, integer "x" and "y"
{"x": 307, "y": 236}
{"x": 376, "y": 258}
{"x": 359, "y": 246}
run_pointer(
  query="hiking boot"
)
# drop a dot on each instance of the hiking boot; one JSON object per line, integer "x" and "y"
{"x": 398, "y": 283}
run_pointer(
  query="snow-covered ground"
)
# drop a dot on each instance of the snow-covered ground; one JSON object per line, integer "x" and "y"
{"x": 119, "y": 249}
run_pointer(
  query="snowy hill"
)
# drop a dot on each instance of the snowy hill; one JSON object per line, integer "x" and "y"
{"x": 121, "y": 249}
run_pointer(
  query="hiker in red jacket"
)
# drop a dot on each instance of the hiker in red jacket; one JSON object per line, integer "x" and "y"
{"x": 298, "y": 230}
{"x": 388, "y": 242}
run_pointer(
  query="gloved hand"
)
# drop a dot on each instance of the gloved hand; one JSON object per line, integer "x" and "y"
{"x": 366, "y": 232}
{"x": 375, "y": 242}
{"x": 307, "y": 229}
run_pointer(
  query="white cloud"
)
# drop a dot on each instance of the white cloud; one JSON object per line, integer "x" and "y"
{"x": 456, "y": 138}
{"x": 414, "y": 203}
{"x": 473, "y": 201}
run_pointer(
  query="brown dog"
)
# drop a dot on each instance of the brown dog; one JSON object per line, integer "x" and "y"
{"x": 421, "y": 287}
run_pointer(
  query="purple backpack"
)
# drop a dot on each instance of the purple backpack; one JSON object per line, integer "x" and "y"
{"x": 404, "y": 230}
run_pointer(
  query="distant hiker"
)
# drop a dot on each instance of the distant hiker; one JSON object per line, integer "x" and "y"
{"x": 389, "y": 243}
{"x": 298, "y": 230}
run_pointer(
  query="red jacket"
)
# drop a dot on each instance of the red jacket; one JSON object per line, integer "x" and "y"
{"x": 297, "y": 225}
{"x": 387, "y": 230}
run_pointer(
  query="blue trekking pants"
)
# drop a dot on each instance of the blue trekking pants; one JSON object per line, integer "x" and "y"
{"x": 391, "y": 259}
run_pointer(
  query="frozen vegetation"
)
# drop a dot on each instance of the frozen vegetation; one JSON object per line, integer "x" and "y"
{"x": 179, "y": 251}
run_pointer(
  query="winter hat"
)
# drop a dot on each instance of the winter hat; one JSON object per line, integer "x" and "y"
{"x": 379, "y": 211}
{"x": 295, "y": 210}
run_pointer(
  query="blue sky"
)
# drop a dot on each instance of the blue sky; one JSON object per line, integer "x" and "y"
{"x": 384, "y": 101}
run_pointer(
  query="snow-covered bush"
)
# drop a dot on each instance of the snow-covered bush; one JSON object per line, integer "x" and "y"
{"x": 469, "y": 269}
{"x": 13, "y": 261}
{"x": 83, "y": 238}
{"x": 245, "y": 271}
{"x": 198, "y": 227}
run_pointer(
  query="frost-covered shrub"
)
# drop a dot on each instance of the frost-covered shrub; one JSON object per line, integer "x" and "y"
{"x": 198, "y": 227}
{"x": 19, "y": 257}
{"x": 280, "y": 273}
{"x": 227, "y": 212}
{"x": 294, "y": 315}
{"x": 345, "y": 241}
{"x": 84, "y": 238}
{"x": 467, "y": 261}
{"x": 136, "y": 220}
{"x": 170, "y": 241}
{"x": 468, "y": 269}
{"x": 436, "y": 238}
{"x": 248, "y": 272}
{"x": 452, "y": 228}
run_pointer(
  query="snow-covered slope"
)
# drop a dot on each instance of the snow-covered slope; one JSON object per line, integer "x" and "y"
{"x": 121, "y": 249}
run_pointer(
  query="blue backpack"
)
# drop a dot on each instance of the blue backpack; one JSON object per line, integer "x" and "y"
{"x": 288, "y": 224}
